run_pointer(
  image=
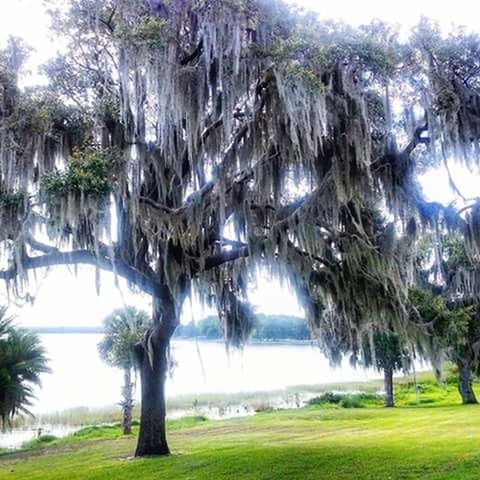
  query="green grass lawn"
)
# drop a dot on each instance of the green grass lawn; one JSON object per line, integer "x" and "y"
{"x": 435, "y": 440}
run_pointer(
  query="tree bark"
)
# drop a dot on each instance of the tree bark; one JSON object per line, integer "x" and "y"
{"x": 153, "y": 360}
{"x": 127, "y": 402}
{"x": 465, "y": 383}
{"x": 388, "y": 385}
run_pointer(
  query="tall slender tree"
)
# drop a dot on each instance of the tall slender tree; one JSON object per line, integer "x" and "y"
{"x": 385, "y": 352}
{"x": 378, "y": 346}
{"x": 224, "y": 136}
{"x": 124, "y": 330}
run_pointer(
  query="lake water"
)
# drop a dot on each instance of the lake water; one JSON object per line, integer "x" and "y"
{"x": 80, "y": 378}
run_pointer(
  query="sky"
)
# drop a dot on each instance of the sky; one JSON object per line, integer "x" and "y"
{"x": 61, "y": 298}
{"x": 406, "y": 13}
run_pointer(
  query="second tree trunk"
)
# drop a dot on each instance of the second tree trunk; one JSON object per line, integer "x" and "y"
{"x": 127, "y": 402}
{"x": 388, "y": 385}
{"x": 465, "y": 384}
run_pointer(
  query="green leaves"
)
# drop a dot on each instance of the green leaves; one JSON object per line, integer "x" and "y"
{"x": 310, "y": 49}
{"x": 456, "y": 254}
{"x": 12, "y": 208}
{"x": 22, "y": 361}
{"x": 453, "y": 325}
{"x": 383, "y": 350}
{"x": 148, "y": 34}
{"x": 87, "y": 172}
{"x": 124, "y": 328}
{"x": 11, "y": 199}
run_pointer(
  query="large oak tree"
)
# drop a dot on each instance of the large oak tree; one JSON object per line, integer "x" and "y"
{"x": 184, "y": 144}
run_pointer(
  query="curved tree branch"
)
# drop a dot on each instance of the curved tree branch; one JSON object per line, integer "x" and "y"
{"x": 85, "y": 257}
{"x": 417, "y": 139}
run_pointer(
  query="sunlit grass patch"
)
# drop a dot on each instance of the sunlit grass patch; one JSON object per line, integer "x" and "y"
{"x": 309, "y": 443}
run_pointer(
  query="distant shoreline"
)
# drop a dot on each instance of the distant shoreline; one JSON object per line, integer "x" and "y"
{"x": 99, "y": 330}
{"x": 63, "y": 330}
{"x": 285, "y": 341}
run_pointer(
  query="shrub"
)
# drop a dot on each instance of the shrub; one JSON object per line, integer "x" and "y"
{"x": 39, "y": 442}
{"x": 262, "y": 406}
{"x": 347, "y": 400}
{"x": 351, "y": 401}
{"x": 370, "y": 397}
{"x": 327, "y": 397}
{"x": 450, "y": 375}
{"x": 47, "y": 438}
{"x": 99, "y": 431}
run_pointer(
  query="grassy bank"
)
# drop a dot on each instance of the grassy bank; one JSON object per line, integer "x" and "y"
{"x": 192, "y": 404}
{"x": 435, "y": 439}
{"x": 255, "y": 400}
{"x": 327, "y": 443}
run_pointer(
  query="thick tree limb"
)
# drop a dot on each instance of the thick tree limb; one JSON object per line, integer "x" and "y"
{"x": 39, "y": 246}
{"x": 239, "y": 135}
{"x": 468, "y": 207}
{"x": 85, "y": 257}
{"x": 191, "y": 200}
{"x": 194, "y": 55}
{"x": 417, "y": 139}
{"x": 223, "y": 257}
{"x": 158, "y": 206}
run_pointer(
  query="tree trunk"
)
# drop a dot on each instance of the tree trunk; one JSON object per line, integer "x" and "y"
{"x": 388, "y": 385}
{"x": 152, "y": 439}
{"x": 465, "y": 384}
{"x": 127, "y": 402}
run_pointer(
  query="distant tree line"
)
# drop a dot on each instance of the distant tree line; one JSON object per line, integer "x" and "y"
{"x": 267, "y": 328}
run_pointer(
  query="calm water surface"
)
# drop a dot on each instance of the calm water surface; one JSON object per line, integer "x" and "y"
{"x": 80, "y": 378}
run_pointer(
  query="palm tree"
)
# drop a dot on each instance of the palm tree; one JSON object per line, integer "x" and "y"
{"x": 22, "y": 361}
{"x": 5, "y": 322}
{"x": 124, "y": 328}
